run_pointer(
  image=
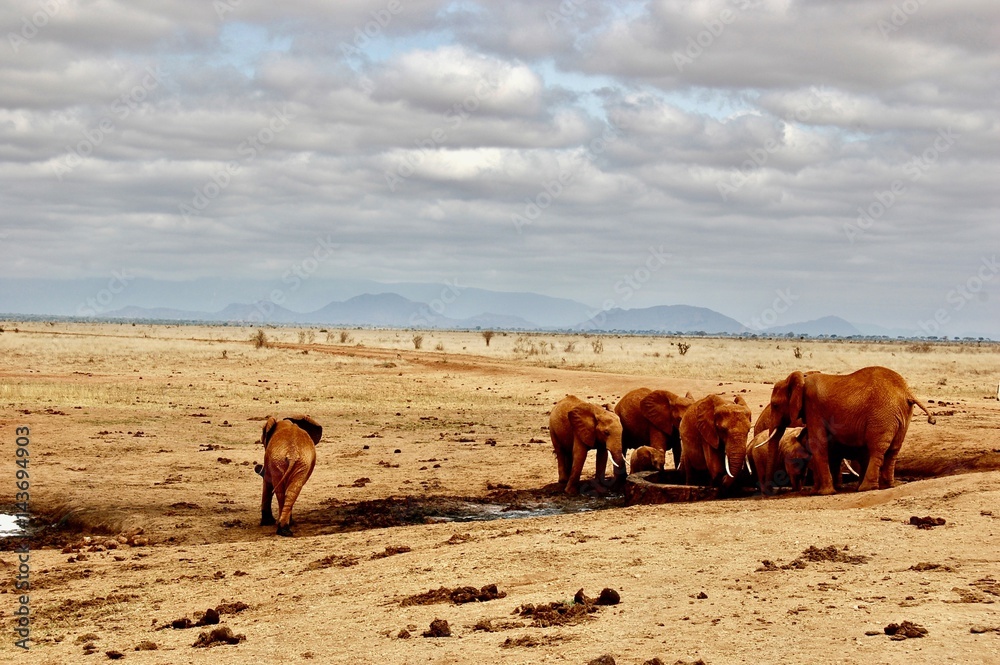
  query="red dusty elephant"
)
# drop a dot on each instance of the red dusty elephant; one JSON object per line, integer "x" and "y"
{"x": 289, "y": 459}
{"x": 714, "y": 439}
{"x": 576, "y": 427}
{"x": 652, "y": 418}
{"x": 867, "y": 411}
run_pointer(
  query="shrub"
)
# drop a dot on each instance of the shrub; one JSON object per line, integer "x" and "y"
{"x": 682, "y": 347}
{"x": 597, "y": 345}
{"x": 488, "y": 335}
{"x": 259, "y": 339}
{"x": 418, "y": 341}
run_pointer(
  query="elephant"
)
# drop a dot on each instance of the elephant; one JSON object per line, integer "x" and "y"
{"x": 792, "y": 461}
{"x": 714, "y": 439}
{"x": 576, "y": 427}
{"x": 646, "y": 458}
{"x": 289, "y": 459}
{"x": 652, "y": 418}
{"x": 869, "y": 409}
{"x": 765, "y": 421}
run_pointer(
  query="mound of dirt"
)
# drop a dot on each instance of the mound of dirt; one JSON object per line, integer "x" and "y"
{"x": 558, "y": 613}
{"x": 926, "y": 522}
{"x": 905, "y": 630}
{"x": 458, "y": 595}
{"x": 218, "y": 636}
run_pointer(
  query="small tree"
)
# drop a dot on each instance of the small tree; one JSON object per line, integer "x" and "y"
{"x": 682, "y": 347}
{"x": 597, "y": 345}
{"x": 487, "y": 335}
{"x": 418, "y": 340}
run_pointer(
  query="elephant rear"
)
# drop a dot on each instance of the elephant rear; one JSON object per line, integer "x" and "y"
{"x": 289, "y": 460}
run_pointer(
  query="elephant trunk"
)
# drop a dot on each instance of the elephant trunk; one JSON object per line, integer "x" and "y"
{"x": 735, "y": 457}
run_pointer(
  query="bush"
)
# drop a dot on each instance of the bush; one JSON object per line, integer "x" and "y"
{"x": 682, "y": 347}
{"x": 418, "y": 341}
{"x": 488, "y": 335}
{"x": 597, "y": 345}
{"x": 259, "y": 339}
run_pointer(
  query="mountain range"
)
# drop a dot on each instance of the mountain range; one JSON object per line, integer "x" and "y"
{"x": 392, "y": 310}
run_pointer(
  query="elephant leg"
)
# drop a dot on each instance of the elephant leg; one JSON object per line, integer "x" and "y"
{"x": 579, "y": 457}
{"x": 565, "y": 460}
{"x": 819, "y": 446}
{"x": 266, "y": 516}
{"x": 602, "y": 466}
{"x": 876, "y": 457}
{"x": 673, "y": 442}
{"x": 836, "y": 462}
{"x": 888, "y": 475}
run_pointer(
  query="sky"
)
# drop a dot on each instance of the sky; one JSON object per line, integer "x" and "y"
{"x": 777, "y": 161}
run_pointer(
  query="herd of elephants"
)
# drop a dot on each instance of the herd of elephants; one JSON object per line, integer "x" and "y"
{"x": 814, "y": 423}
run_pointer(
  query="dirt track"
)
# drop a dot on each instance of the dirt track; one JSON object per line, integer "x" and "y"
{"x": 414, "y": 440}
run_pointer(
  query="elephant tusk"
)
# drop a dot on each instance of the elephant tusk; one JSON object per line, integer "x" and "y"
{"x": 851, "y": 468}
{"x": 728, "y": 472}
{"x": 748, "y": 466}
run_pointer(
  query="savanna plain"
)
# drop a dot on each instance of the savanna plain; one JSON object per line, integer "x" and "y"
{"x": 435, "y": 473}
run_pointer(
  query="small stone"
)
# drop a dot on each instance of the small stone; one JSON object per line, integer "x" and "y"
{"x": 701, "y": 595}
{"x": 606, "y": 659}
{"x": 977, "y": 630}
{"x": 439, "y": 628}
{"x": 609, "y": 597}
{"x": 403, "y": 634}
{"x": 114, "y": 655}
{"x": 146, "y": 645}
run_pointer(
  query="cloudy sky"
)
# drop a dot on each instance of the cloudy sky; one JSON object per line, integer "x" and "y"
{"x": 774, "y": 160}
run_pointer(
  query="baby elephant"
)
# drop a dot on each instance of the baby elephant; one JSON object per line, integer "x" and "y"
{"x": 792, "y": 461}
{"x": 289, "y": 458}
{"x": 646, "y": 458}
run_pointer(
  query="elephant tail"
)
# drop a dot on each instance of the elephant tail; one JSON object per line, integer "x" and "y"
{"x": 923, "y": 407}
{"x": 283, "y": 481}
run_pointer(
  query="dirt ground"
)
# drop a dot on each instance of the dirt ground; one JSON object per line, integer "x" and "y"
{"x": 432, "y": 500}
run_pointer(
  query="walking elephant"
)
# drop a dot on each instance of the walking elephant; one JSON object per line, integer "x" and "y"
{"x": 652, "y": 418}
{"x": 576, "y": 427}
{"x": 289, "y": 459}
{"x": 714, "y": 439}
{"x": 869, "y": 409}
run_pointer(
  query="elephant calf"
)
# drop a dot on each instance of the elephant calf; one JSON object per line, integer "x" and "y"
{"x": 792, "y": 461}
{"x": 646, "y": 458}
{"x": 289, "y": 459}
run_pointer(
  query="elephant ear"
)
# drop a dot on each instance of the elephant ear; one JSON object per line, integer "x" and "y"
{"x": 311, "y": 427}
{"x": 705, "y": 417}
{"x": 269, "y": 426}
{"x": 583, "y": 422}
{"x": 796, "y": 398}
{"x": 658, "y": 408}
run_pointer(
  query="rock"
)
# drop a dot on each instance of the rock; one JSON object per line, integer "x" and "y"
{"x": 210, "y": 618}
{"x": 609, "y": 597}
{"x": 606, "y": 659}
{"x": 114, "y": 655}
{"x": 439, "y": 628}
{"x": 146, "y": 645}
{"x": 403, "y": 634}
{"x": 220, "y": 635}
